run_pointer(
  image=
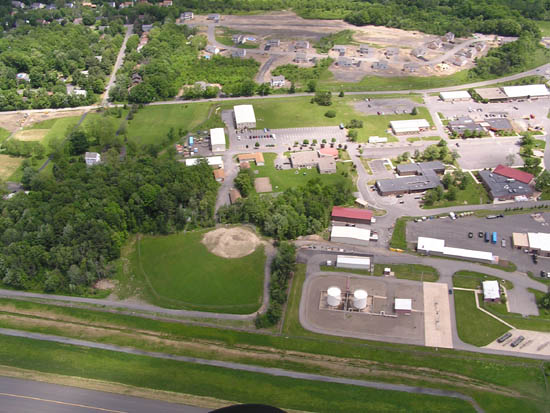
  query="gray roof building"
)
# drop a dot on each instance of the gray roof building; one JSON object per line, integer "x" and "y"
{"x": 463, "y": 124}
{"x": 419, "y": 177}
{"x": 502, "y": 188}
{"x": 411, "y": 67}
{"x": 301, "y": 58}
{"x": 496, "y": 124}
{"x": 366, "y": 49}
{"x": 302, "y": 44}
{"x": 379, "y": 65}
{"x": 420, "y": 168}
{"x": 345, "y": 62}
{"x": 391, "y": 51}
{"x": 239, "y": 53}
{"x": 419, "y": 52}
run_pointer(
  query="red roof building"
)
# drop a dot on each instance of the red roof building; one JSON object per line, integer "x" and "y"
{"x": 351, "y": 215}
{"x": 329, "y": 152}
{"x": 512, "y": 173}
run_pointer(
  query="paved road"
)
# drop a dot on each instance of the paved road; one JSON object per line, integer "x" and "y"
{"x": 23, "y": 396}
{"x": 263, "y": 70}
{"x": 118, "y": 63}
{"x": 243, "y": 367}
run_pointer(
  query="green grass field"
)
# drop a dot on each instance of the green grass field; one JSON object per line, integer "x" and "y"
{"x": 544, "y": 26}
{"x": 180, "y": 272}
{"x": 58, "y": 128}
{"x": 474, "y": 194}
{"x": 399, "y": 235}
{"x": 416, "y": 272}
{"x": 331, "y": 268}
{"x": 472, "y": 279}
{"x": 113, "y": 120}
{"x": 474, "y": 326}
{"x": 284, "y": 179}
{"x": 152, "y": 123}
{"x": 4, "y": 133}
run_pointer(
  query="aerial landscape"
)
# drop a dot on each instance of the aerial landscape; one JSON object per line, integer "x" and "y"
{"x": 285, "y": 206}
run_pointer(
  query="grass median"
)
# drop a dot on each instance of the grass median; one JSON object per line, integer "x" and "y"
{"x": 415, "y": 272}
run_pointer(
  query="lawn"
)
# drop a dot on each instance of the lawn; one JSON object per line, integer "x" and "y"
{"x": 474, "y": 194}
{"x": 224, "y": 35}
{"x": 472, "y": 279}
{"x": 180, "y": 272}
{"x": 327, "y": 42}
{"x": 544, "y": 26}
{"x": 151, "y": 124}
{"x": 4, "y": 133}
{"x": 57, "y": 128}
{"x": 284, "y": 179}
{"x": 331, "y": 268}
{"x": 427, "y": 138}
{"x": 399, "y": 235}
{"x": 114, "y": 120}
{"x": 299, "y": 112}
{"x": 8, "y": 166}
{"x": 416, "y": 272}
{"x": 474, "y": 326}
{"x": 215, "y": 382}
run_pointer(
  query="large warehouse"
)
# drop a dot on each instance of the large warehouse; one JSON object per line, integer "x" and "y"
{"x": 244, "y": 116}
{"x": 351, "y": 215}
{"x": 403, "y": 127}
{"x": 454, "y": 96}
{"x": 217, "y": 140}
{"x": 434, "y": 246}
{"x": 495, "y": 94}
{"x": 350, "y": 235}
{"x": 352, "y": 261}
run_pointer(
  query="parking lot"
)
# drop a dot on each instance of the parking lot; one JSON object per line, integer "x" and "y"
{"x": 385, "y": 106}
{"x": 487, "y": 152}
{"x": 535, "y": 342}
{"x": 456, "y": 234}
{"x": 379, "y": 169}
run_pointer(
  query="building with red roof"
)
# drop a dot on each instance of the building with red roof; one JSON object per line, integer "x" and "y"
{"x": 351, "y": 215}
{"x": 329, "y": 152}
{"x": 512, "y": 173}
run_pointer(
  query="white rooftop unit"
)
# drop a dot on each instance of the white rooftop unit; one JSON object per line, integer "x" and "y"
{"x": 244, "y": 116}
{"x": 215, "y": 161}
{"x": 526, "y": 90}
{"x": 403, "y": 304}
{"x": 217, "y": 139}
{"x": 351, "y": 261}
{"x": 334, "y": 296}
{"x": 350, "y": 235}
{"x": 360, "y": 299}
{"x": 539, "y": 241}
{"x": 491, "y": 290}
{"x": 455, "y": 95}
{"x": 409, "y": 125}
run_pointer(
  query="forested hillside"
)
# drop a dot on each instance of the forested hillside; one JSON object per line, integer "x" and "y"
{"x": 53, "y": 57}
{"x": 64, "y": 234}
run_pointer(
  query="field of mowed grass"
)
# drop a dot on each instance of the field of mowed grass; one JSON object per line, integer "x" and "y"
{"x": 296, "y": 112}
{"x": 8, "y": 166}
{"x": 416, "y": 272}
{"x": 180, "y": 272}
{"x": 113, "y": 119}
{"x": 544, "y": 26}
{"x": 57, "y": 128}
{"x": 473, "y": 280}
{"x": 151, "y": 124}
{"x": 215, "y": 382}
{"x": 284, "y": 179}
{"x": 4, "y": 133}
{"x": 473, "y": 194}
{"x": 474, "y": 326}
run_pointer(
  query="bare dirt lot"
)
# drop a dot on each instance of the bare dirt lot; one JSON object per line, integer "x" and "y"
{"x": 262, "y": 185}
{"x": 14, "y": 121}
{"x": 31, "y": 134}
{"x": 8, "y": 165}
{"x": 231, "y": 242}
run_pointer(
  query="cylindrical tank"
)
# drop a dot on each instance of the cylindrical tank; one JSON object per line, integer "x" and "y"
{"x": 334, "y": 296}
{"x": 360, "y": 299}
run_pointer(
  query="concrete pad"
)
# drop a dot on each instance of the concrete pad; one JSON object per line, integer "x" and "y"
{"x": 535, "y": 342}
{"x": 522, "y": 301}
{"x": 262, "y": 185}
{"x": 437, "y": 316}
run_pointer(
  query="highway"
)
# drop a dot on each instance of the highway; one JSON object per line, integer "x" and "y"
{"x": 24, "y": 396}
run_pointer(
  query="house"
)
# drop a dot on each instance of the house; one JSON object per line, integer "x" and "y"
{"x": 434, "y": 44}
{"x": 345, "y": 62}
{"x": 79, "y": 92}
{"x": 125, "y": 5}
{"x": 257, "y": 157}
{"x": 238, "y": 38}
{"x": 454, "y": 96}
{"x": 381, "y": 65}
{"x": 332, "y": 152}
{"x": 166, "y": 3}
{"x": 391, "y": 51}
{"x": 326, "y": 165}
{"x": 277, "y": 81}
{"x": 491, "y": 291}
{"x": 92, "y": 158}
{"x": 69, "y": 5}
{"x": 234, "y": 195}
{"x": 36, "y": 6}
{"x": 459, "y": 60}
{"x": 419, "y": 52}
{"x": 411, "y": 67}
{"x": 188, "y": 15}
{"x": 211, "y": 49}
{"x": 301, "y": 44}
{"x": 463, "y": 124}
{"x": 304, "y": 159}
{"x": 244, "y": 116}
{"x": 240, "y": 53}
{"x": 214, "y": 16}
{"x": 301, "y": 58}
{"x": 403, "y": 306}
{"x": 351, "y": 215}
{"x": 23, "y": 76}
{"x": 88, "y": 4}
{"x": 136, "y": 78}
{"x": 146, "y": 27}
{"x": 341, "y": 49}
{"x": 217, "y": 140}
{"x": 449, "y": 37}
{"x": 502, "y": 188}
{"x": 366, "y": 49}
{"x": 350, "y": 235}
{"x": 219, "y": 175}
{"x": 403, "y": 127}
{"x": 273, "y": 43}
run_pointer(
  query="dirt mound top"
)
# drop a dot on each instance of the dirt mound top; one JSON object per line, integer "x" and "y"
{"x": 231, "y": 242}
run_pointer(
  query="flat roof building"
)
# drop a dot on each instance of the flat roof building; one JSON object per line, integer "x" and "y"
{"x": 351, "y": 215}
{"x": 401, "y": 127}
{"x": 526, "y": 91}
{"x": 213, "y": 161}
{"x": 463, "y": 124}
{"x": 244, "y": 116}
{"x": 350, "y": 235}
{"x": 219, "y": 174}
{"x": 497, "y": 124}
{"x": 304, "y": 159}
{"x": 501, "y": 188}
{"x": 353, "y": 261}
{"x": 434, "y": 246}
{"x": 326, "y": 165}
{"x": 520, "y": 240}
{"x": 92, "y": 158}
{"x": 421, "y": 168}
{"x": 403, "y": 306}
{"x": 491, "y": 291}
{"x": 407, "y": 185}
{"x": 257, "y": 157}
{"x": 381, "y": 65}
{"x": 492, "y": 94}
{"x": 454, "y": 96}
{"x": 217, "y": 140}
{"x": 539, "y": 242}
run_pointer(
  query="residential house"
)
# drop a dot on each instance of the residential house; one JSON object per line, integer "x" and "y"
{"x": 23, "y": 76}
{"x": 381, "y": 65}
{"x": 146, "y": 27}
{"x": 411, "y": 67}
{"x": 219, "y": 175}
{"x": 459, "y": 60}
{"x": 419, "y": 52}
{"x": 277, "y": 81}
{"x": 391, "y": 51}
{"x": 211, "y": 49}
{"x": 214, "y": 16}
{"x": 273, "y": 43}
{"x": 366, "y": 49}
{"x": 166, "y": 3}
{"x": 240, "y": 53}
{"x": 51, "y": 7}
{"x": 435, "y": 44}
{"x": 92, "y": 158}
{"x": 345, "y": 62}
{"x": 341, "y": 49}
{"x": 79, "y": 92}
{"x": 449, "y": 37}
{"x": 187, "y": 15}
{"x": 301, "y": 44}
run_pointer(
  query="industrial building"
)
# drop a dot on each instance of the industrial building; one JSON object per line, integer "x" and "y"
{"x": 351, "y": 215}
{"x": 217, "y": 140}
{"x": 535, "y": 242}
{"x": 403, "y": 127}
{"x": 350, "y": 235}
{"x": 509, "y": 93}
{"x": 503, "y": 186}
{"x": 213, "y": 161}
{"x": 326, "y": 165}
{"x": 434, "y": 246}
{"x": 492, "y": 94}
{"x": 418, "y": 177}
{"x": 459, "y": 95}
{"x": 403, "y": 306}
{"x": 491, "y": 291}
{"x": 352, "y": 261}
{"x": 244, "y": 116}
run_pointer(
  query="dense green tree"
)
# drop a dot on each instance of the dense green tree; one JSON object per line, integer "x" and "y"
{"x": 78, "y": 142}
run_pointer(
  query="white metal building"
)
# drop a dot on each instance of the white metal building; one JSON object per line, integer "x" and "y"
{"x": 213, "y": 161}
{"x": 350, "y": 235}
{"x": 403, "y": 305}
{"x": 454, "y": 96}
{"x": 534, "y": 91}
{"x": 401, "y": 127}
{"x": 217, "y": 140}
{"x": 244, "y": 116}
{"x": 351, "y": 261}
{"x": 491, "y": 290}
{"x": 377, "y": 139}
{"x": 539, "y": 242}
{"x": 434, "y": 246}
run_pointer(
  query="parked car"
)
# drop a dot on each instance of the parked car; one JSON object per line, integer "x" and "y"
{"x": 503, "y": 338}
{"x": 544, "y": 274}
{"x": 470, "y": 234}
{"x": 503, "y": 243}
{"x": 480, "y": 234}
{"x": 517, "y": 341}
{"x": 450, "y": 291}
{"x": 535, "y": 259}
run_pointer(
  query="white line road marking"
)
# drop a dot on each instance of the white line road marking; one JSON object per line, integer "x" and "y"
{"x": 20, "y": 396}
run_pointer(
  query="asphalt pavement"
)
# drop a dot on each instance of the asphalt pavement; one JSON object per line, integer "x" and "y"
{"x": 24, "y": 396}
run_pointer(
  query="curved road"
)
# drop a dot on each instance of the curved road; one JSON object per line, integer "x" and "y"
{"x": 244, "y": 367}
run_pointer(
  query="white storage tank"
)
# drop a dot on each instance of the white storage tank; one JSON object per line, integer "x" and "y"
{"x": 360, "y": 299}
{"x": 334, "y": 296}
